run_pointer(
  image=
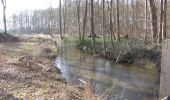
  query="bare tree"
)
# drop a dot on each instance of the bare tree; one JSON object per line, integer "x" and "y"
{"x": 60, "y": 20}
{"x": 78, "y": 17}
{"x": 154, "y": 19}
{"x": 64, "y": 16}
{"x": 92, "y": 27}
{"x": 4, "y": 15}
{"x": 103, "y": 28}
{"x": 165, "y": 20}
{"x": 50, "y": 19}
{"x": 133, "y": 16}
{"x": 111, "y": 22}
{"x": 85, "y": 21}
{"x": 118, "y": 24}
{"x": 161, "y": 23}
{"x": 127, "y": 12}
{"x": 146, "y": 16}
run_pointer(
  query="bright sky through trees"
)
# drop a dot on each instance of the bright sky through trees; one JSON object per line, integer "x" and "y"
{"x": 14, "y": 6}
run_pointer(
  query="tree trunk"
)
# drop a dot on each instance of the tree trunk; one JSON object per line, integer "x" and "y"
{"x": 161, "y": 23}
{"x": 111, "y": 23}
{"x": 137, "y": 23}
{"x": 60, "y": 20}
{"x": 85, "y": 21}
{"x": 78, "y": 18}
{"x": 118, "y": 24}
{"x": 99, "y": 30}
{"x": 4, "y": 20}
{"x": 165, "y": 20}
{"x": 133, "y": 17}
{"x": 154, "y": 19}
{"x": 64, "y": 15}
{"x": 127, "y": 17}
{"x": 146, "y": 17}
{"x": 4, "y": 15}
{"x": 92, "y": 27}
{"x": 50, "y": 20}
{"x": 103, "y": 28}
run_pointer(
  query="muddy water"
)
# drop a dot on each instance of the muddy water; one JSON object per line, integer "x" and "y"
{"x": 122, "y": 82}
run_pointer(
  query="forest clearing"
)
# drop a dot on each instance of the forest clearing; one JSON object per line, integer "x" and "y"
{"x": 84, "y": 49}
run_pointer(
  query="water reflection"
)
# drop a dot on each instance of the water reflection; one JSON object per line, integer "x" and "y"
{"x": 126, "y": 82}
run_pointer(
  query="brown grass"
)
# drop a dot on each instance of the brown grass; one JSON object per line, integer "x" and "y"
{"x": 27, "y": 74}
{"x": 88, "y": 93}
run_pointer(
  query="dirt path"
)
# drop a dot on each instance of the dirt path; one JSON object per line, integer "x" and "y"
{"x": 27, "y": 72}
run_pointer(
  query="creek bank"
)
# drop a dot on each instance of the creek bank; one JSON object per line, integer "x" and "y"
{"x": 27, "y": 71}
{"x": 138, "y": 55}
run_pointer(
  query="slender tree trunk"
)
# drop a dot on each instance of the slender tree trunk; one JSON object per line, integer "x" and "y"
{"x": 50, "y": 22}
{"x": 111, "y": 23}
{"x": 78, "y": 17}
{"x": 4, "y": 20}
{"x": 99, "y": 30}
{"x": 4, "y": 15}
{"x": 146, "y": 16}
{"x": 85, "y": 21}
{"x": 154, "y": 19}
{"x": 165, "y": 20}
{"x": 133, "y": 17}
{"x": 136, "y": 18}
{"x": 92, "y": 27}
{"x": 118, "y": 24}
{"x": 124, "y": 16}
{"x": 115, "y": 21}
{"x": 127, "y": 11}
{"x": 60, "y": 20}
{"x": 103, "y": 28}
{"x": 161, "y": 23}
{"x": 64, "y": 21}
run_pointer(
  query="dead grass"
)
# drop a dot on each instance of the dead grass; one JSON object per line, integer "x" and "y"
{"x": 26, "y": 72}
{"x": 88, "y": 93}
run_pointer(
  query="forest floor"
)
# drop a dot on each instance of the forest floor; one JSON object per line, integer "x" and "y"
{"x": 27, "y": 71}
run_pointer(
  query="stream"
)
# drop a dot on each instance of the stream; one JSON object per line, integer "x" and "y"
{"x": 121, "y": 81}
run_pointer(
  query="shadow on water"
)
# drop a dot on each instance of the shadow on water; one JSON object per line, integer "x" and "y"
{"x": 132, "y": 82}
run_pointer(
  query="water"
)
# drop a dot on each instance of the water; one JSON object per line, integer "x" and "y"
{"x": 124, "y": 82}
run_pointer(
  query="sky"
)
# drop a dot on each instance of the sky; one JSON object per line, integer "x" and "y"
{"x": 13, "y": 6}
